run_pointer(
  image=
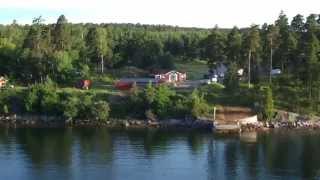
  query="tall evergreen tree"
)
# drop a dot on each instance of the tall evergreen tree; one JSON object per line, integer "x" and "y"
{"x": 61, "y": 34}
{"x": 37, "y": 47}
{"x": 272, "y": 39}
{"x": 214, "y": 46}
{"x": 233, "y": 46}
{"x": 282, "y": 53}
{"x": 312, "y": 62}
{"x": 297, "y": 24}
{"x": 252, "y": 45}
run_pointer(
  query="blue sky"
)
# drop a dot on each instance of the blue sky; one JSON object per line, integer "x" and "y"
{"x": 189, "y": 13}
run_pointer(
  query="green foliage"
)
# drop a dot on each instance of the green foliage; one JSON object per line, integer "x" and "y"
{"x": 150, "y": 94}
{"x": 268, "y": 104}
{"x": 63, "y": 68}
{"x": 62, "y": 34}
{"x": 5, "y": 109}
{"x": 162, "y": 101}
{"x": 70, "y": 109}
{"x": 214, "y": 46}
{"x": 100, "y": 110}
{"x": 6, "y": 101}
{"x": 199, "y": 107}
{"x": 67, "y": 52}
{"x": 231, "y": 80}
{"x": 98, "y": 46}
{"x": 158, "y": 102}
{"x": 234, "y": 45}
{"x": 42, "y": 98}
{"x": 85, "y": 106}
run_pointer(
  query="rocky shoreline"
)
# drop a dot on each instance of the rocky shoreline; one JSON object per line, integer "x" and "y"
{"x": 286, "y": 120}
{"x": 52, "y": 121}
{"x": 283, "y": 120}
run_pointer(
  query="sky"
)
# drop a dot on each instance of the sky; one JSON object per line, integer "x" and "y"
{"x": 186, "y": 13}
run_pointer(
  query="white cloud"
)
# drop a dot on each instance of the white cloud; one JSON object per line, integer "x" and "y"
{"x": 200, "y": 13}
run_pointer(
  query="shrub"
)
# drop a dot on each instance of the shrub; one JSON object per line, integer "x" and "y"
{"x": 100, "y": 110}
{"x": 84, "y": 106}
{"x": 162, "y": 101}
{"x": 268, "y": 104}
{"x": 42, "y": 98}
{"x": 5, "y": 96}
{"x": 199, "y": 106}
{"x": 231, "y": 80}
{"x": 70, "y": 109}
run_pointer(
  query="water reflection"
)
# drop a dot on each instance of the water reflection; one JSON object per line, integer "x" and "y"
{"x": 152, "y": 154}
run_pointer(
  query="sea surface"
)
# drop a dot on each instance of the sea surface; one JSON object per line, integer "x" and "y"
{"x": 89, "y": 153}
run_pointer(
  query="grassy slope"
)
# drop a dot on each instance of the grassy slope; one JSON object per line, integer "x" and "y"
{"x": 195, "y": 69}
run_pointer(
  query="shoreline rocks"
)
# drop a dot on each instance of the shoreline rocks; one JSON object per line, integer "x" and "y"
{"x": 52, "y": 121}
{"x": 282, "y": 120}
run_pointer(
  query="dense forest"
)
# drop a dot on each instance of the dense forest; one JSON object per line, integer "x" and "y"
{"x": 65, "y": 52}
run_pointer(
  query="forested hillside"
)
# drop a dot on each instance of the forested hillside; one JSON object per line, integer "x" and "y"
{"x": 65, "y": 52}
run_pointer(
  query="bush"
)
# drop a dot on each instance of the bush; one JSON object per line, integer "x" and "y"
{"x": 162, "y": 101}
{"x": 70, "y": 109}
{"x": 5, "y": 96}
{"x": 42, "y": 98}
{"x": 231, "y": 80}
{"x": 199, "y": 106}
{"x": 268, "y": 104}
{"x": 84, "y": 106}
{"x": 100, "y": 110}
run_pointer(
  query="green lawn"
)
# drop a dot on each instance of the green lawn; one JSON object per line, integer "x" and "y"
{"x": 194, "y": 69}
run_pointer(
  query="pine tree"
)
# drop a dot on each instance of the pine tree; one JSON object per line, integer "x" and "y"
{"x": 233, "y": 46}
{"x": 252, "y": 45}
{"x": 61, "y": 34}
{"x": 214, "y": 46}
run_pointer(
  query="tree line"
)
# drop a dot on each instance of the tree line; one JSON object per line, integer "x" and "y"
{"x": 64, "y": 49}
{"x": 65, "y": 52}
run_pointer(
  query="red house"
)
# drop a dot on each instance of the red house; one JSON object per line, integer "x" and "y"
{"x": 170, "y": 77}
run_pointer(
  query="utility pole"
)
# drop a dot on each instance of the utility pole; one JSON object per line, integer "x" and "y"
{"x": 249, "y": 69}
{"x": 102, "y": 64}
{"x": 271, "y": 54}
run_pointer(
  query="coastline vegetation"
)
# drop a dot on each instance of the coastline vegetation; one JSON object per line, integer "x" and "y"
{"x": 44, "y": 61}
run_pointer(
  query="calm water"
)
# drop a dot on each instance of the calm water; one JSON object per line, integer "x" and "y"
{"x": 104, "y": 154}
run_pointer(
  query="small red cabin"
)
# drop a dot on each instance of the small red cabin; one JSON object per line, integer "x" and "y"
{"x": 170, "y": 77}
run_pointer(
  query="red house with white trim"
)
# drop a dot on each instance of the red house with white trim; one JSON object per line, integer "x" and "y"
{"x": 170, "y": 77}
